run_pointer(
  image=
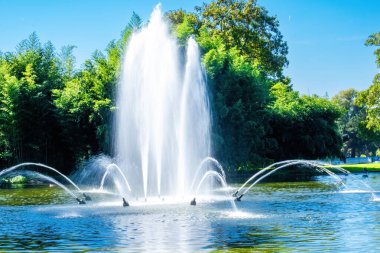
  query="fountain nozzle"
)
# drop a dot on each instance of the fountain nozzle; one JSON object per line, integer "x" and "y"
{"x": 86, "y": 197}
{"x": 125, "y": 203}
{"x": 235, "y": 194}
{"x": 239, "y": 198}
{"x": 80, "y": 201}
{"x": 193, "y": 202}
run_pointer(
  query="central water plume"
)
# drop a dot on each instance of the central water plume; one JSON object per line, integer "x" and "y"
{"x": 163, "y": 122}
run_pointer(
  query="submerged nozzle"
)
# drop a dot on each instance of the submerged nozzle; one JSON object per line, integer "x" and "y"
{"x": 86, "y": 197}
{"x": 80, "y": 201}
{"x": 193, "y": 202}
{"x": 239, "y": 198}
{"x": 125, "y": 203}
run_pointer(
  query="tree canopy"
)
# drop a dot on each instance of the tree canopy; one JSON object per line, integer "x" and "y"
{"x": 54, "y": 112}
{"x": 357, "y": 139}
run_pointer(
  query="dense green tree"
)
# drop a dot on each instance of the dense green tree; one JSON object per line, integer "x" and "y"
{"x": 85, "y": 103}
{"x": 29, "y": 126}
{"x": 303, "y": 126}
{"x": 239, "y": 99}
{"x": 242, "y": 25}
{"x": 370, "y": 98}
{"x": 352, "y": 125}
{"x": 249, "y": 28}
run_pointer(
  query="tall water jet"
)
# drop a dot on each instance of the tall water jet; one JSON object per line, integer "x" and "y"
{"x": 163, "y": 122}
{"x": 194, "y": 125}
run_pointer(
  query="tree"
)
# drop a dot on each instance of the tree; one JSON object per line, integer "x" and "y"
{"x": 29, "y": 125}
{"x": 302, "y": 127}
{"x": 374, "y": 40}
{"x": 247, "y": 27}
{"x": 239, "y": 99}
{"x": 351, "y": 125}
{"x": 370, "y": 99}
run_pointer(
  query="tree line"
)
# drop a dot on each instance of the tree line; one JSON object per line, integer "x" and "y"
{"x": 55, "y": 113}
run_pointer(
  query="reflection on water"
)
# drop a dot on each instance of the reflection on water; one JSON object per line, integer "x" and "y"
{"x": 276, "y": 217}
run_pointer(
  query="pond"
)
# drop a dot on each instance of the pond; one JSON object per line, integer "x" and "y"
{"x": 311, "y": 216}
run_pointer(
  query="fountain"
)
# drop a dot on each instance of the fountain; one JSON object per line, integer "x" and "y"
{"x": 163, "y": 143}
{"x": 163, "y": 117}
{"x": 162, "y": 120}
{"x": 285, "y": 164}
{"x": 163, "y": 162}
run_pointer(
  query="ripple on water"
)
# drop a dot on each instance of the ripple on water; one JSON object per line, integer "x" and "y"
{"x": 68, "y": 215}
{"x": 283, "y": 221}
{"x": 354, "y": 191}
{"x": 242, "y": 215}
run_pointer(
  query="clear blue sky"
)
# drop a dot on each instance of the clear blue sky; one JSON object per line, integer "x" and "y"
{"x": 325, "y": 37}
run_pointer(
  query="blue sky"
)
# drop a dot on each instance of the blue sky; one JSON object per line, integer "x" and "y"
{"x": 325, "y": 37}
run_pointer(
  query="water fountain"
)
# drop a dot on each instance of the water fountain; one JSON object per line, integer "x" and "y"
{"x": 163, "y": 151}
{"x": 163, "y": 117}
{"x": 163, "y": 127}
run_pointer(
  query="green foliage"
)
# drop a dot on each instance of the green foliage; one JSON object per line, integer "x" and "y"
{"x": 184, "y": 24}
{"x": 239, "y": 98}
{"x": 53, "y": 112}
{"x": 357, "y": 139}
{"x": 303, "y": 127}
{"x": 374, "y": 40}
{"x": 28, "y": 125}
{"x": 370, "y": 99}
{"x": 247, "y": 27}
{"x": 84, "y": 105}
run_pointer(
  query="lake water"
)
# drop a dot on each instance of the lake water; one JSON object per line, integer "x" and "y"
{"x": 275, "y": 217}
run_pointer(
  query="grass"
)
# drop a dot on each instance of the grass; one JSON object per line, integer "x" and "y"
{"x": 371, "y": 167}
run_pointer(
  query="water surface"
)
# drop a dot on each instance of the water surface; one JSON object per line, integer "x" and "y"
{"x": 275, "y": 217}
